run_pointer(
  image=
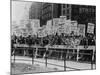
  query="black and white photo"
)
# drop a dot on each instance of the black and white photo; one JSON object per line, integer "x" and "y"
{"x": 52, "y": 37}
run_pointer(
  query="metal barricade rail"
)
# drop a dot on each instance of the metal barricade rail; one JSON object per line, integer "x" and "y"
{"x": 44, "y": 50}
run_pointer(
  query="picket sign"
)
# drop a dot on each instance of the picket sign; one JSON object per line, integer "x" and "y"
{"x": 90, "y": 28}
{"x": 81, "y": 28}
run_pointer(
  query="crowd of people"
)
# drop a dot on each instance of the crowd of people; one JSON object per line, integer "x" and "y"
{"x": 53, "y": 40}
{"x": 68, "y": 41}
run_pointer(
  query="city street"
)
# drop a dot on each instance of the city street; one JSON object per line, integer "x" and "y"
{"x": 41, "y": 62}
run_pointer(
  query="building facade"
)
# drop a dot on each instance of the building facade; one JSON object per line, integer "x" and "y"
{"x": 66, "y": 10}
{"x": 82, "y": 13}
{"x": 35, "y": 10}
{"x": 49, "y": 11}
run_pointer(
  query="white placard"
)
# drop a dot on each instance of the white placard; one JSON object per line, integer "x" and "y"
{"x": 35, "y": 23}
{"x": 90, "y": 28}
{"x": 61, "y": 29}
{"x": 74, "y": 27}
{"x": 49, "y": 27}
{"x": 62, "y": 19}
{"x": 67, "y": 27}
{"x": 56, "y": 22}
{"x": 81, "y": 28}
{"x": 40, "y": 33}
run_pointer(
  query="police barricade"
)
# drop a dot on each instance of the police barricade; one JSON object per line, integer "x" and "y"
{"x": 63, "y": 54}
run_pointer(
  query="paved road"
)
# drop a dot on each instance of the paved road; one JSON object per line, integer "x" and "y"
{"x": 40, "y": 61}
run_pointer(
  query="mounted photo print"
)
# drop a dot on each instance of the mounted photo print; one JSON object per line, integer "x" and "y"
{"x": 52, "y": 37}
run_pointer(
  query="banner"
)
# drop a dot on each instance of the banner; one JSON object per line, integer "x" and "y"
{"x": 35, "y": 23}
{"x": 61, "y": 29}
{"x": 55, "y": 25}
{"x": 67, "y": 27}
{"x": 56, "y": 22}
{"x": 90, "y": 28}
{"x": 49, "y": 27}
{"x": 62, "y": 19}
{"x": 61, "y": 26}
{"x": 74, "y": 27}
{"x": 74, "y": 23}
{"x": 81, "y": 29}
{"x": 42, "y": 32}
{"x": 49, "y": 23}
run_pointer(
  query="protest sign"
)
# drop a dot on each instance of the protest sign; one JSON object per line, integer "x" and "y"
{"x": 81, "y": 28}
{"x": 90, "y": 28}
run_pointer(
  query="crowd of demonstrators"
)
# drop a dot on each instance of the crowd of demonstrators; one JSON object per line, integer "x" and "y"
{"x": 53, "y": 40}
{"x": 68, "y": 41}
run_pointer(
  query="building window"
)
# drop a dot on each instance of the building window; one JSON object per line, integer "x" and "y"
{"x": 63, "y": 5}
{"x": 68, "y": 17}
{"x": 45, "y": 10}
{"x": 68, "y": 11}
{"x": 50, "y": 8}
{"x": 64, "y": 12}
{"x": 49, "y": 15}
{"x": 42, "y": 17}
{"x": 68, "y": 5}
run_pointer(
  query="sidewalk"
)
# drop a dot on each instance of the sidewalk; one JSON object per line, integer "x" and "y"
{"x": 41, "y": 62}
